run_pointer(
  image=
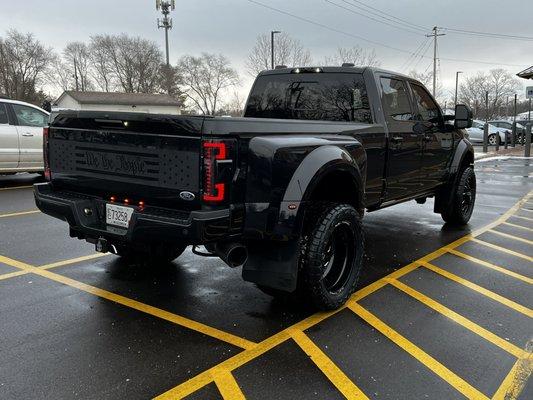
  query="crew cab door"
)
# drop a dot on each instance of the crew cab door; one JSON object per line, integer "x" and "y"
{"x": 404, "y": 145}
{"x": 30, "y": 123}
{"x": 9, "y": 141}
{"x": 437, "y": 140}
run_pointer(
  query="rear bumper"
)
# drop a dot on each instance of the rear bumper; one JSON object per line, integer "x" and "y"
{"x": 149, "y": 225}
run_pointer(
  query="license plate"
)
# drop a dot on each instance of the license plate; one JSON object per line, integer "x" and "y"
{"x": 118, "y": 215}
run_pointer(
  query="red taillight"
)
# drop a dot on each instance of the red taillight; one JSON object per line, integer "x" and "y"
{"x": 214, "y": 191}
{"x": 47, "y": 172}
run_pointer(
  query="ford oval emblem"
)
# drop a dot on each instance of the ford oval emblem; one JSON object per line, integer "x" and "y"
{"x": 188, "y": 196}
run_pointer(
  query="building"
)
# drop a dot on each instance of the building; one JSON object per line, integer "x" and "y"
{"x": 109, "y": 101}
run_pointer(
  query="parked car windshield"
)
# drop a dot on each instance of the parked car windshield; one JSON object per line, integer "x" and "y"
{"x": 310, "y": 96}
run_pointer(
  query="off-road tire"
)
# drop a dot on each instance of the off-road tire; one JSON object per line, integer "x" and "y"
{"x": 338, "y": 227}
{"x": 463, "y": 199}
{"x": 154, "y": 255}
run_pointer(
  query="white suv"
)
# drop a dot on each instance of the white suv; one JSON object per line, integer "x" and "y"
{"x": 21, "y": 137}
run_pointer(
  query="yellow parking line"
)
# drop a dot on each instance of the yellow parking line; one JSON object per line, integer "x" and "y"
{"x": 491, "y": 266}
{"x": 145, "y": 308}
{"x": 465, "y": 322}
{"x": 516, "y": 379}
{"x": 519, "y": 226}
{"x": 16, "y": 214}
{"x": 73, "y": 260}
{"x": 524, "y": 218}
{"x": 16, "y": 187}
{"x": 527, "y": 209}
{"x": 494, "y": 296}
{"x": 227, "y": 385}
{"x": 328, "y": 367}
{"x": 436, "y": 367}
{"x": 12, "y": 275}
{"x": 512, "y": 237}
{"x": 503, "y": 249}
{"x": 186, "y": 388}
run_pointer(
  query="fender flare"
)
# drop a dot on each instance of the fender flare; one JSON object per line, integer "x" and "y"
{"x": 443, "y": 199}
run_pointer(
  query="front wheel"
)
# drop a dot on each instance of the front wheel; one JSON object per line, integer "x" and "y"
{"x": 463, "y": 200}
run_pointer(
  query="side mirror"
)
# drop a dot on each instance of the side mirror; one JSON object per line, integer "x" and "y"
{"x": 463, "y": 116}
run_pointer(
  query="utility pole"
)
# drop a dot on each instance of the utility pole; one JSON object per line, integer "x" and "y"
{"x": 456, "y": 85}
{"x": 272, "y": 61}
{"x": 166, "y": 6}
{"x": 435, "y": 34}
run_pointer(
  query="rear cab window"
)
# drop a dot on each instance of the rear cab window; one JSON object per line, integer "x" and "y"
{"x": 310, "y": 96}
{"x": 427, "y": 108}
{"x": 395, "y": 99}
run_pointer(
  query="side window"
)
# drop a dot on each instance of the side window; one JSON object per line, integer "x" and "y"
{"x": 28, "y": 116}
{"x": 396, "y": 100}
{"x": 3, "y": 114}
{"x": 427, "y": 108}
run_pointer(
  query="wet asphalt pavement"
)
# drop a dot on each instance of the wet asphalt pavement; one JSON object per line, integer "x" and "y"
{"x": 441, "y": 313}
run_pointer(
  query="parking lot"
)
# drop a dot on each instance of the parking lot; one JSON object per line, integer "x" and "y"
{"x": 440, "y": 313}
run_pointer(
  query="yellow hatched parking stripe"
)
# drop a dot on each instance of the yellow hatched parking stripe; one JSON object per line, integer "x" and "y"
{"x": 227, "y": 385}
{"x": 17, "y": 214}
{"x": 521, "y": 217}
{"x": 12, "y": 275}
{"x": 513, "y": 237}
{"x": 518, "y": 226}
{"x": 494, "y": 296}
{"x": 145, "y": 308}
{"x": 516, "y": 379}
{"x": 450, "y": 377}
{"x": 465, "y": 322}
{"x": 328, "y": 367}
{"x": 503, "y": 249}
{"x": 491, "y": 266}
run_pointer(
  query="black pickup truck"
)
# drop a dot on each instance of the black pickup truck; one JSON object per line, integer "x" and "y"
{"x": 280, "y": 192}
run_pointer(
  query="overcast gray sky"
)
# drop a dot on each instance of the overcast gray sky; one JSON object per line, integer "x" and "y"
{"x": 230, "y": 27}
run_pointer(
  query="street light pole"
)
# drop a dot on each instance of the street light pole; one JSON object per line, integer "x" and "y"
{"x": 272, "y": 33}
{"x": 456, "y": 85}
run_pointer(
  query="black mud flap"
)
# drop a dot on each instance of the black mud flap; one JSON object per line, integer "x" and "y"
{"x": 273, "y": 264}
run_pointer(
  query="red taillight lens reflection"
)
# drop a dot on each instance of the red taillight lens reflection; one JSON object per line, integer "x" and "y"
{"x": 213, "y": 151}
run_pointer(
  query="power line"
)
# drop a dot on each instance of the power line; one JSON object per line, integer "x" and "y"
{"x": 329, "y": 28}
{"x": 370, "y": 17}
{"x": 488, "y": 34}
{"x": 410, "y": 24}
{"x": 417, "y": 54}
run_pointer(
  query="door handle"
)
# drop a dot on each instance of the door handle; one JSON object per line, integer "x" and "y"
{"x": 27, "y": 134}
{"x": 397, "y": 139}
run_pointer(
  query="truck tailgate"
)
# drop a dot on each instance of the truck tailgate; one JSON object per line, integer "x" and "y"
{"x": 106, "y": 159}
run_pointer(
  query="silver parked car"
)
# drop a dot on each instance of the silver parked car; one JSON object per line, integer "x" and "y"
{"x": 496, "y": 135}
{"x": 21, "y": 137}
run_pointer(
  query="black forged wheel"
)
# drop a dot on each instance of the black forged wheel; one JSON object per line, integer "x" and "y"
{"x": 332, "y": 257}
{"x": 161, "y": 254}
{"x": 464, "y": 198}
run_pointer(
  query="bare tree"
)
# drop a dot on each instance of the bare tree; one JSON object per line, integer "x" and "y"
{"x": 287, "y": 51}
{"x": 77, "y": 58}
{"x": 499, "y": 83}
{"x": 133, "y": 62}
{"x": 24, "y": 64}
{"x": 355, "y": 55}
{"x": 102, "y": 66}
{"x": 204, "y": 78}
